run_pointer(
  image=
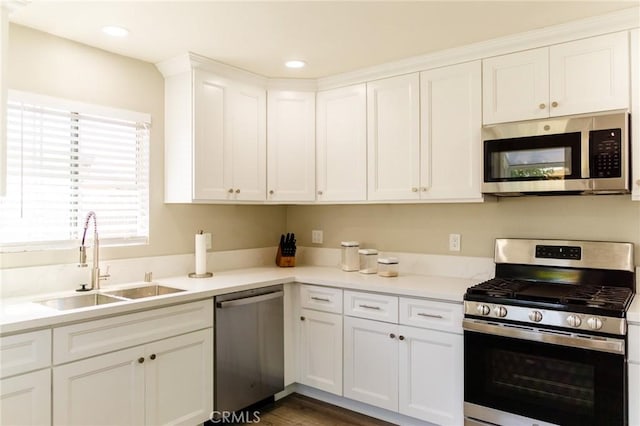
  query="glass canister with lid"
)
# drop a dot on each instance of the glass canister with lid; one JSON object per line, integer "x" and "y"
{"x": 388, "y": 267}
{"x": 350, "y": 261}
{"x": 368, "y": 261}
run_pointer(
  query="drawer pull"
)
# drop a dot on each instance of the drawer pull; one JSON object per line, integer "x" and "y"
{"x": 320, "y": 299}
{"x": 393, "y": 336}
{"x": 430, "y": 315}
{"x": 377, "y": 308}
{"x": 140, "y": 360}
{"x": 153, "y": 356}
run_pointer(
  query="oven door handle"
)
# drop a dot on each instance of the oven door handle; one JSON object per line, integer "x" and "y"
{"x": 602, "y": 344}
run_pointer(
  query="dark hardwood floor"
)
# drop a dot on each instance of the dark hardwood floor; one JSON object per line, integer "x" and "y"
{"x": 299, "y": 410}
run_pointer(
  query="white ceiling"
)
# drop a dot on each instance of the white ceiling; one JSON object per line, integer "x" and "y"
{"x": 332, "y": 37}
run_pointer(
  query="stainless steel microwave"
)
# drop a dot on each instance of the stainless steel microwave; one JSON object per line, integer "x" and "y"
{"x": 583, "y": 154}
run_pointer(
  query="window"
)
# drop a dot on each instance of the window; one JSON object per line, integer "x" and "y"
{"x": 65, "y": 159}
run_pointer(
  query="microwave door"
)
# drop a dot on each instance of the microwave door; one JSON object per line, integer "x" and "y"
{"x": 547, "y": 163}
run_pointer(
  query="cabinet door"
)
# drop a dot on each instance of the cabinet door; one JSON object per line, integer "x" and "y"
{"x": 431, "y": 375}
{"x": 291, "y": 155}
{"x": 179, "y": 379}
{"x": 246, "y": 142}
{"x": 634, "y": 394}
{"x": 371, "y": 362}
{"x": 451, "y": 143}
{"x": 341, "y": 149}
{"x": 635, "y": 113}
{"x": 26, "y": 399}
{"x": 515, "y": 86}
{"x": 393, "y": 138}
{"x": 321, "y": 350}
{"x": 589, "y": 75}
{"x": 103, "y": 390}
{"x": 212, "y": 173}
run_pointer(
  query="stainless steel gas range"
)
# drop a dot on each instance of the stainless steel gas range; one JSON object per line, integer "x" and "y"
{"x": 545, "y": 341}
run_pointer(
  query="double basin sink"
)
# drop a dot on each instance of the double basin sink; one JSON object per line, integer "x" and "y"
{"x": 95, "y": 299}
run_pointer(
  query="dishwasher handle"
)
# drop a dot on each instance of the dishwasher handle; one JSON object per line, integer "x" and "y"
{"x": 250, "y": 299}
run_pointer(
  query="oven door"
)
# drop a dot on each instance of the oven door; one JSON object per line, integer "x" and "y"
{"x": 536, "y": 380}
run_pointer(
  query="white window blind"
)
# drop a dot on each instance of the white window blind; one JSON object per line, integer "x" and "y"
{"x": 65, "y": 159}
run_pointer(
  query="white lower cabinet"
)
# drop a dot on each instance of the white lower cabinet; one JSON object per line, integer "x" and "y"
{"x": 26, "y": 399}
{"x": 431, "y": 375}
{"x": 321, "y": 350}
{"x": 371, "y": 362}
{"x": 164, "y": 382}
{"x": 415, "y": 371}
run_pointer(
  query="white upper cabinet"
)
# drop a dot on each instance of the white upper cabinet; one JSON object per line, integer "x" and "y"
{"x": 451, "y": 143}
{"x": 516, "y": 86}
{"x": 291, "y": 145}
{"x": 341, "y": 147}
{"x": 582, "y": 76}
{"x": 393, "y": 138}
{"x": 635, "y": 114}
{"x": 215, "y": 139}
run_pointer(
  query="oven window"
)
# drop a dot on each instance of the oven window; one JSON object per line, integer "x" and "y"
{"x": 542, "y": 378}
{"x": 549, "y": 157}
{"x": 552, "y": 383}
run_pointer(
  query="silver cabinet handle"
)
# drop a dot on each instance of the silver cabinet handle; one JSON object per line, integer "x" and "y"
{"x": 319, "y": 192}
{"x": 230, "y": 191}
{"x": 140, "y": 360}
{"x": 302, "y": 318}
{"x": 237, "y": 191}
{"x": 554, "y": 104}
{"x": 152, "y": 356}
{"x": 321, "y": 299}
{"x": 401, "y": 337}
{"x": 542, "y": 106}
{"x": 414, "y": 189}
{"x": 393, "y": 336}
{"x": 377, "y": 308}
{"x": 422, "y": 314}
{"x": 271, "y": 192}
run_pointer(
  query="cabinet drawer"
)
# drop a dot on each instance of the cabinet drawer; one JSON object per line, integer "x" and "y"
{"x": 325, "y": 299}
{"x": 634, "y": 343}
{"x": 25, "y": 352}
{"x": 431, "y": 314}
{"x": 379, "y": 307}
{"x": 97, "y": 337}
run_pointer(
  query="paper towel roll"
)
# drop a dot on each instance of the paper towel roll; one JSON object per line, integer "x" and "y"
{"x": 201, "y": 254}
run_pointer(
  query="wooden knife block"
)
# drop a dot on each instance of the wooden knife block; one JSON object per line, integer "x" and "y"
{"x": 285, "y": 261}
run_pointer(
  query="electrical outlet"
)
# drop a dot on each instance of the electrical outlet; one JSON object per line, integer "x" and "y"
{"x": 208, "y": 238}
{"x": 316, "y": 237}
{"x": 454, "y": 242}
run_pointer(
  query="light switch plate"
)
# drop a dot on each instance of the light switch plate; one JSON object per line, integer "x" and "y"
{"x": 316, "y": 237}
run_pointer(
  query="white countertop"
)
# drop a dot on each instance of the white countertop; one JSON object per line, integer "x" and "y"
{"x": 21, "y": 314}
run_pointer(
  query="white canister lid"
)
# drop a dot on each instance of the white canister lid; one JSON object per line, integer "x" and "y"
{"x": 388, "y": 260}
{"x": 368, "y": 251}
{"x": 350, "y": 244}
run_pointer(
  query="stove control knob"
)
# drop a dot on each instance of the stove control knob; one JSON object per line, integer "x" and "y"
{"x": 483, "y": 310}
{"x": 500, "y": 311}
{"x": 574, "y": 321}
{"x": 535, "y": 316}
{"x": 594, "y": 323}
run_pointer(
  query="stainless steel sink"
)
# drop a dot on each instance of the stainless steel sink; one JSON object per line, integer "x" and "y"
{"x": 80, "y": 301}
{"x": 144, "y": 291}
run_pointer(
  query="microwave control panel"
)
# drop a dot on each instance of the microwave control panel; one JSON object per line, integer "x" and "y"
{"x": 605, "y": 153}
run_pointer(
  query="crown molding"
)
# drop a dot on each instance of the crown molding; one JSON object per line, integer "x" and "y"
{"x": 13, "y": 5}
{"x": 621, "y": 20}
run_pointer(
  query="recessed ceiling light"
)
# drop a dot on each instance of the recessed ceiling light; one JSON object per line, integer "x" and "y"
{"x": 115, "y": 31}
{"x": 295, "y": 64}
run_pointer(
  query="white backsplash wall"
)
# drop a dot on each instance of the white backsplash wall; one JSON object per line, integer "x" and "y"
{"x": 35, "y": 280}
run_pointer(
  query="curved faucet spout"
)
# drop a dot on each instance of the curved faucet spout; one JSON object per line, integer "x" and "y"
{"x": 95, "y": 270}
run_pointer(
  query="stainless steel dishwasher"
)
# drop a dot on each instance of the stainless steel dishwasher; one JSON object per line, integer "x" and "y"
{"x": 249, "y": 347}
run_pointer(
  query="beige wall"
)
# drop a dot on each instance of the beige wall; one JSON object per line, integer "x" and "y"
{"x": 425, "y": 228}
{"x": 53, "y": 66}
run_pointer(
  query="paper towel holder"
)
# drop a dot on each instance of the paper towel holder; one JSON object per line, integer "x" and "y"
{"x": 205, "y": 275}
